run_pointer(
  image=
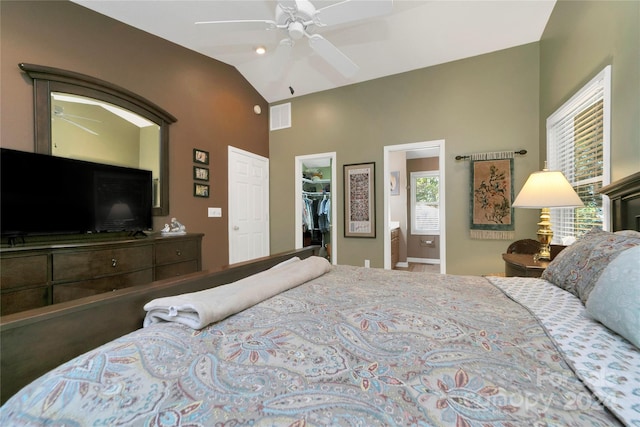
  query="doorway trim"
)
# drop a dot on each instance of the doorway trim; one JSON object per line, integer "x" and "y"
{"x": 299, "y": 160}
{"x": 439, "y": 144}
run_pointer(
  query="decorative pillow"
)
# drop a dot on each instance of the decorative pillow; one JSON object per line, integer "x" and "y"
{"x": 629, "y": 233}
{"x": 577, "y": 268}
{"x": 615, "y": 298}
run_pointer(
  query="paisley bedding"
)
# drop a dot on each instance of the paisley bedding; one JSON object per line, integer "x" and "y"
{"x": 355, "y": 346}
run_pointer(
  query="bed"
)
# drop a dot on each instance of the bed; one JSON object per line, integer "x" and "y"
{"x": 356, "y": 346}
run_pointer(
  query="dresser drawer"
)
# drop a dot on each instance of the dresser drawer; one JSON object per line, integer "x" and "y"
{"x": 521, "y": 271}
{"x": 24, "y": 299}
{"x": 71, "y": 291}
{"x": 177, "y": 251}
{"x": 177, "y": 269}
{"x": 88, "y": 264}
{"x": 23, "y": 271}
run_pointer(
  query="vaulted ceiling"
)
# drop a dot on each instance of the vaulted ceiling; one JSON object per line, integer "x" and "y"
{"x": 413, "y": 34}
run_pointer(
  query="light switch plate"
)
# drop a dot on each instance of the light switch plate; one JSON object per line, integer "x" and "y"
{"x": 214, "y": 212}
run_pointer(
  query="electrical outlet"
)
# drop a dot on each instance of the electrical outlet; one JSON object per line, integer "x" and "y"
{"x": 366, "y": 263}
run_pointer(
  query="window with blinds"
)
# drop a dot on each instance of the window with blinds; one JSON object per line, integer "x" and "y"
{"x": 425, "y": 202}
{"x": 578, "y": 146}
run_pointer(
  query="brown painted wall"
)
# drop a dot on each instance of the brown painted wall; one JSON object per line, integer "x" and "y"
{"x": 211, "y": 100}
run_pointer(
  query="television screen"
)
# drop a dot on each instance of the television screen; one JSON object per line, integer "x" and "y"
{"x": 41, "y": 194}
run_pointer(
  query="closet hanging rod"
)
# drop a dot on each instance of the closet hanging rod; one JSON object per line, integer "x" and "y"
{"x": 520, "y": 152}
{"x": 316, "y": 193}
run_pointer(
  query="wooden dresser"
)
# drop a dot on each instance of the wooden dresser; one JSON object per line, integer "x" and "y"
{"x": 36, "y": 276}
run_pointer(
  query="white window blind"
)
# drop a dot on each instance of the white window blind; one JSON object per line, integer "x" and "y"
{"x": 578, "y": 146}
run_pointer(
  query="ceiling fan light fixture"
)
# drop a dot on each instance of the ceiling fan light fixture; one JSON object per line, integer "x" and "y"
{"x": 296, "y": 30}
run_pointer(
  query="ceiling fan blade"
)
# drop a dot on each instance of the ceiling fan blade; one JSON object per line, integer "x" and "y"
{"x": 81, "y": 117}
{"x": 290, "y": 6}
{"x": 352, "y": 10}
{"x": 78, "y": 125}
{"x": 281, "y": 58}
{"x": 265, "y": 23}
{"x": 333, "y": 55}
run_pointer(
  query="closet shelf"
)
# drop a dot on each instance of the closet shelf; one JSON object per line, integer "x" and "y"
{"x": 316, "y": 181}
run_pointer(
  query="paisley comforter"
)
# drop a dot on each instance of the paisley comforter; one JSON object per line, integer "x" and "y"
{"x": 356, "y": 347}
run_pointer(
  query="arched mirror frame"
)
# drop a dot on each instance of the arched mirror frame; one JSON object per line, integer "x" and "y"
{"x": 48, "y": 79}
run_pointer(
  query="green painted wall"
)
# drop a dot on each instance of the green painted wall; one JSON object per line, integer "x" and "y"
{"x": 490, "y": 102}
{"x": 479, "y": 104}
{"x": 580, "y": 39}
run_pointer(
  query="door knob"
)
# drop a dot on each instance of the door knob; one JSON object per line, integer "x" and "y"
{"x": 235, "y": 227}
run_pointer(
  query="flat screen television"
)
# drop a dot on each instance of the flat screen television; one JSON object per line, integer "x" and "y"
{"x": 43, "y": 195}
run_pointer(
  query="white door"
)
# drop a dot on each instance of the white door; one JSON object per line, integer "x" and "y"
{"x": 248, "y": 206}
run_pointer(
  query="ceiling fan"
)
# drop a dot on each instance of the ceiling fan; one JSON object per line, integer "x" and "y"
{"x": 300, "y": 18}
{"x": 58, "y": 112}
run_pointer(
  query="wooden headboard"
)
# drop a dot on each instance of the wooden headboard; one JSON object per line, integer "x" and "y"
{"x": 625, "y": 202}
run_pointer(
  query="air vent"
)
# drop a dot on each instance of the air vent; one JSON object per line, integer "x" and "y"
{"x": 280, "y": 116}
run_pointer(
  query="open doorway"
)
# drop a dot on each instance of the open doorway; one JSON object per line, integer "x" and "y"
{"x": 423, "y": 163}
{"x": 315, "y": 203}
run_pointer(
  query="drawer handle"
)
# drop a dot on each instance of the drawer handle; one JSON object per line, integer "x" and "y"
{"x": 178, "y": 252}
{"x": 114, "y": 262}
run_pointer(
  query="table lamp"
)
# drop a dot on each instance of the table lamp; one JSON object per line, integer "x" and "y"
{"x": 543, "y": 190}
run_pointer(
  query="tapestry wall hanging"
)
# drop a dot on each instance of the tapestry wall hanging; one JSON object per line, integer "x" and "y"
{"x": 491, "y": 196}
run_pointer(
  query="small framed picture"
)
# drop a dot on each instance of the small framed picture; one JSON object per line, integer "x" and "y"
{"x": 200, "y": 156}
{"x": 200, "y": 190}
{"x": 394, "y": 179}
{"x": 201, "y": 174}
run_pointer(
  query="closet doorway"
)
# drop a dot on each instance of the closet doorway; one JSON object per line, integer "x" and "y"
{"x": 315, "y": 203}
{"x": 399, "y": 161}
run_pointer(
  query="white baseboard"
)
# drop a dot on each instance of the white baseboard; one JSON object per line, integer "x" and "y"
{"x": 423, "y": 260}
{"x": 402, "y": 264}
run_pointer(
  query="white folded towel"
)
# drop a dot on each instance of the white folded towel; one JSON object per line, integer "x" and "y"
{"x": 199, "y": 309}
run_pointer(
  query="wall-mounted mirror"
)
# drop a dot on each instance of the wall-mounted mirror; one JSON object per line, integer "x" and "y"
{"x": 81, "y": 117}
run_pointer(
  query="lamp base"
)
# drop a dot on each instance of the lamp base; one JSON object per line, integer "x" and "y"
{"x": 545, "y": 234}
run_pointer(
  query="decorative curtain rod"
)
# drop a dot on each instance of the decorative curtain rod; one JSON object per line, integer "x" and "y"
{"x": 494, "y": 155}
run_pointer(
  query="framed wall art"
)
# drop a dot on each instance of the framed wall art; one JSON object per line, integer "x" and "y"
{"x": 200, "y": 190}
{"x": 359, "y": 200}
{"x": 200, "y": 173}
{"x": 394, "y": 180}
{"x": 200, "y": 156}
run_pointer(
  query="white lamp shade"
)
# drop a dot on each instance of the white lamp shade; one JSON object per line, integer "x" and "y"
{"x": 547, "y": 189}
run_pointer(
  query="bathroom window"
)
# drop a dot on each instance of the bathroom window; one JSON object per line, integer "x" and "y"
{"x": 425, "y": 202}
